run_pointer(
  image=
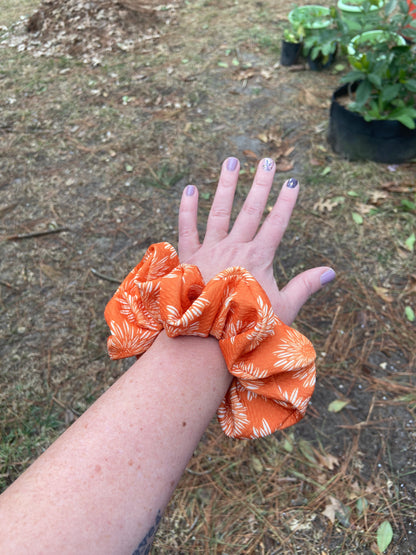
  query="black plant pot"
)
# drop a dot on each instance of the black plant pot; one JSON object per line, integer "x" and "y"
{"x": 320, "y": 62}
{"x": 385, "y": 141}
{"x": 290, "y": 53}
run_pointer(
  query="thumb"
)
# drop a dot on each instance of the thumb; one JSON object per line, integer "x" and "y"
{"x": 301, "y": 287}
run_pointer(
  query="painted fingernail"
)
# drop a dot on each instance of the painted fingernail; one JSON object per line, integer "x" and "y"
{"x": 268, "y": 164}
{"x": 292, "y": 183}
{"x": 190, "y": 190}
{"x": 232, "y": 164}
{"x": 327, "y": 276}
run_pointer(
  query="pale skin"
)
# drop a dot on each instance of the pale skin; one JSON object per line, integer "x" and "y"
{"x": 103, "y": 485}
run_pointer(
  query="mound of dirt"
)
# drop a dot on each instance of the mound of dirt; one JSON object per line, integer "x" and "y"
{"x": 87, "y": 29}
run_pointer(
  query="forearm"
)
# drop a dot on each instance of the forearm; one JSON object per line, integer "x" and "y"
{"x": 100, "y": 487}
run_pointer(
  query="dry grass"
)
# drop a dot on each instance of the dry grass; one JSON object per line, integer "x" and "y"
{"x": 96, "y": 155}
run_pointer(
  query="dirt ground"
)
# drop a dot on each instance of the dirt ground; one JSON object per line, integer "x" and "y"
{"x": 104, "y": 118}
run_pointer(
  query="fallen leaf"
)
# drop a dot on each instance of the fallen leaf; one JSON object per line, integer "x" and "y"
{"x": 50, "y": 272}
{"x": 384, "y": 535}
{"x": 327, "y": 205}
{"x": 377, "y": 196}
{"x": 358, "y": 219}
{"x": 289, "y": 151}
{"x": 250, "y": 154}
{"x": 263, "y": 137}
{"x": 409, "y": 313}
{"x": 310, "y": 99}
{"x": 284, "y": 166}
{"x": 316, "y": 162}
{"x": 338, "y": 405}
{"x": 410, "y": 242}
{"x": 335, "y": 509}
{"x": 327, "y": 460}
{"x": 383, "y": 293}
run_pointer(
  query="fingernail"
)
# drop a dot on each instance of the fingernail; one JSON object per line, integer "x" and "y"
{"x": 292, "y": 183}
{"x": 190, "y": 190}
{"x": 232, "y": 164}
{"x": 327, "y": 276}
{"x": 268, "y": 164}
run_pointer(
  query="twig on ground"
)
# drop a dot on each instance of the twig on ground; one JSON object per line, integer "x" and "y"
{"x": 21, "y": 236}
{"x": 103, "y": 276}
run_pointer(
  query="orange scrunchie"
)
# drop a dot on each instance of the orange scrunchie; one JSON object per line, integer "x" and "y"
{"x": 273, "y": 365}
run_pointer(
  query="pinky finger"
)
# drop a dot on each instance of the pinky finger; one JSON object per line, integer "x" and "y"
{"x": 188, "y": 241}
{"x": 301, "y": 287}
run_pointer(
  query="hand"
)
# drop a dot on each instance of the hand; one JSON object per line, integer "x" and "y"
{"x": 246, "y": 245}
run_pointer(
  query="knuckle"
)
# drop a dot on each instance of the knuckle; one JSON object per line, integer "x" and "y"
{"x": 252, "y": 209}
{"x": 221, "y": 212}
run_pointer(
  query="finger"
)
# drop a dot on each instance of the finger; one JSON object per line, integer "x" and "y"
{"x": 248, "y": 220}
{"x": 219, "y": 216}
{"x": 274, "y": 226}
{"x": 188, "y": 241}
{"x": 300, "y": 288}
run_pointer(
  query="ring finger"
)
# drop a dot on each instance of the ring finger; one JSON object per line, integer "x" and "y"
{"x": 248, "y": 220}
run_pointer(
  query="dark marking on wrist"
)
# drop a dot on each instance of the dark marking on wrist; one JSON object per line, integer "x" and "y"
{"x": 146, "y": 544}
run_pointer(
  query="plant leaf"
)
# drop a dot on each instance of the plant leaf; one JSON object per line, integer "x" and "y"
{"x": 363, "y": 92}
{"x": 409, "y": 313}
{"x": 358, "y": 219}
{"x": 389, "y": 92}
{"x": 337, "y": 405}
{"x": 384, "y": 535}
{"x": 410, "y": 242}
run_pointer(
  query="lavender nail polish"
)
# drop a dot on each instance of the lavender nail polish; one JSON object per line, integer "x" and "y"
{"x": 268, "y": 164}
{"x": 292, "y": 183}
{"x": 327, "y": 276}
{"x": 232, "y": 164}
{"x": 190, "y": 190}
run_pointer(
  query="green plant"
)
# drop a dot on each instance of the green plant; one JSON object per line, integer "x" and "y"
{"x": 321, "y": 44}
{"x": 386, "y": 72}
{"x": 291, "y": 35}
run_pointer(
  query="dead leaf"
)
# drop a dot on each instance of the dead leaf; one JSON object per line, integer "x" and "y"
{"x": 398, "y": 188}
{"x": 263, "y": 137}
{"x": 284, "y": 165}
{"x": 266, "y": 73}
{"x": 363, "y": 208}
{"x": 335, "y": 509}
{"x": 250, "y": 154}
{"x": 310, "y": 99}
{"x": 377, "y": 196}
{"x": 246, "y": 74}
{"x": 316, "y": 162}
{"x": 383, "y": 293}
{"x": 327, "y": 460}
{"x": 289, "y": 151}
{"x": 50, "y": 272}
{"x": 327, "y": 205}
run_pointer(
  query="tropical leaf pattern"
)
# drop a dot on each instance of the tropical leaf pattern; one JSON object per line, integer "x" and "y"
{"x": 273, "y": 365}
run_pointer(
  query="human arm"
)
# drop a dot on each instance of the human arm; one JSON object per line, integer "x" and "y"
{"x": 101, "y": 486}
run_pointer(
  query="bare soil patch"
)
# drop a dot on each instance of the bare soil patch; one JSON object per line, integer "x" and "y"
{"x": 97, "y": 143}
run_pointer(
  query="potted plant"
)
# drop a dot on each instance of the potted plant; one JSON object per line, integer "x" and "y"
{"x": 355, "y": 49}
{"x": 320, "y": 48}
{"x": 291, "y": 46}
{"x": 310, "y": 17}
{"x": 360, "y": 15}
{"x": 373, "y": 115}
{"x": 315, "y": 23}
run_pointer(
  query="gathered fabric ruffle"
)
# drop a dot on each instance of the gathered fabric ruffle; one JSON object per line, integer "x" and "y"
{"x": 273, "y": 365}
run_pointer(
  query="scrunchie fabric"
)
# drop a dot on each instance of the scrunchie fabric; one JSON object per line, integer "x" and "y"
{"x": 273, "y": 365}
